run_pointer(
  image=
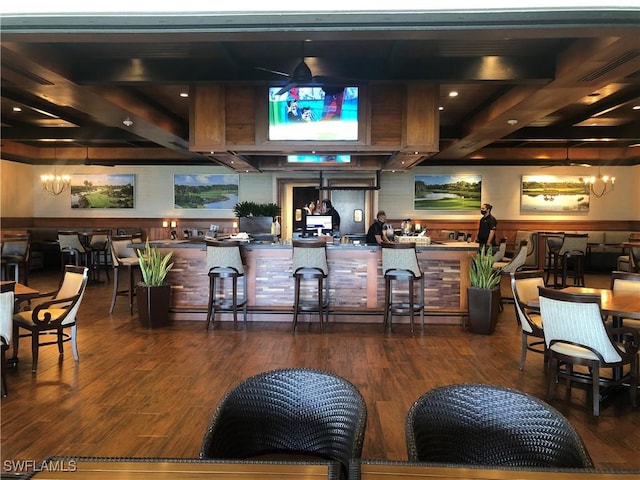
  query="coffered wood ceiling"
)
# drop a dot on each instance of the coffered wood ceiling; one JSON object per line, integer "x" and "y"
{"x": 569, "y": 79}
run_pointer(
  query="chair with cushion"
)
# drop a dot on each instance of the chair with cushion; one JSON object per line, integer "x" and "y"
{"x": 400, "y": 265}
{"x": 72, "y": 250}
{"x": 99, "y": 251}
{"x": 310, "y": 263}
{"x": 474, "y": 424}
{"x": 6, "y": 326}
{"x": 53, "y": 316}
{"x": 524, "y": 286}
{"x": 16, "y": 250}
{"x": 292, "y": 413}
{"x": 569, "y": 261}
{"x": 224, "y": 262}
{"x": 575, "y": 335}
{"x": 123, "y": 257}
{"x": 628, "y": 283}
{"x": 507, "y": 267}
{"x": 499, "y": 255}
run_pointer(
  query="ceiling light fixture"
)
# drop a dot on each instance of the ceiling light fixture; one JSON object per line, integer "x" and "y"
{"x": 127, "y": 122}
{"x": 453, "y": 93}
{"x": 53, "y": 183}
{"x": 600, "y": 185}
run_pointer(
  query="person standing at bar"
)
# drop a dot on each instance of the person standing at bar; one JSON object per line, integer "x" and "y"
{"x": 376, "y": 235}
{"x": 487, "y": 227}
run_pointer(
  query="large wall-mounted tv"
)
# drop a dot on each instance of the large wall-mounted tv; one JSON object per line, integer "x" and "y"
{"x": 316, "y": 114}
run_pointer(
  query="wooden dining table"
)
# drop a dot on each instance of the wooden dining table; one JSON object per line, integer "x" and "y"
{"x": 22, "y": 292}
{"x": 618, "y": 305}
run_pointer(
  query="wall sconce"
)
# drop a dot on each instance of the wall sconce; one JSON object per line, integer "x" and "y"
{"x": 357, "y": 215}
{"x": 417, "y": 227}
{"x": 234, "y": 226}
{"x": 174, "y": 224}
{"x": 298, "y": 214}
{"x": 165, "y": 224}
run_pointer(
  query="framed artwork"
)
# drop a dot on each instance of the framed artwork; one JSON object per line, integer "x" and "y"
{"x": 553, "y": 193}
{"x": 102, "y": 191}
{"x": 447, "y": 192}
{"x": 219, "y": 192}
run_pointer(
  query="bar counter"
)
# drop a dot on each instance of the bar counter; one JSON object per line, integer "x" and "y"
{"x": 356, "y": 285}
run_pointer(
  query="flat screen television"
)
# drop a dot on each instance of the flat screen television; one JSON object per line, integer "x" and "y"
{"x": 314, "y": 222}
{"x": 318, "y": 158}
{"x": 314, "y": 114}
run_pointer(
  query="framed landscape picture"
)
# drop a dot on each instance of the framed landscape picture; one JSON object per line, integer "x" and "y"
{"x": 218, "y": 192}
{"x": 553, "y": 193}
{"x": 447, "y": 192}
{"x": 102, "y": 191}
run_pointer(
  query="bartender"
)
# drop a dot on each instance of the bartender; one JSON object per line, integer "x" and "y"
{"x": 487, "y": 227}
{"x": 327, "y": 209}
{"x": 376, "y": 235}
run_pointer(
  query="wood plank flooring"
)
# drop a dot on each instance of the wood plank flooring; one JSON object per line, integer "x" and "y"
{"x": 150, "y": 393}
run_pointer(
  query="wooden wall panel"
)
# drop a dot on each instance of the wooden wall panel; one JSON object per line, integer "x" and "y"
{"x": 207, "y": 118}
{"x": 240, "y": 115}
{"x": 422, "y": 125}
{"x": 387, "y": 102}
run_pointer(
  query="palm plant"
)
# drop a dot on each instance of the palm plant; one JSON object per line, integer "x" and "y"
{"x": 481, "y": 273}
{"x": 154, "y": 267}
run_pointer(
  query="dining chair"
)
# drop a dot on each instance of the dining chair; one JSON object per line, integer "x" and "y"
{"x": 290, "y": 413}
{"x": 99, "y": 252}
{"x": 7, "y": 302}
{"x": 524, "y": 286}
{"x": 72, "y": 249}
{"x": 508, "y": 266}
{"x": 575, "y": 335}
{"x": 477, "y": 424}
{"x": 53, "y": 316}
{"x": 627, "y": 282}
{"x": 499, "y": 255}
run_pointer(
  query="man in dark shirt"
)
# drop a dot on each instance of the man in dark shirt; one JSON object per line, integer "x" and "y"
{"x": 487, "y": 227}
{"x": 327, "y": 209}
{"x": 375, "y": 234}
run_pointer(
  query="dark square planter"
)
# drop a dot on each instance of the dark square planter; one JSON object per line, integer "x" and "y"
{"x": 153, "y": 305}
{"x": 484, "y": 306}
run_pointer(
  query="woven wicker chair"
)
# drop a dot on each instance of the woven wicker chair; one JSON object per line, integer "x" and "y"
{"x": 524, "y": 286}
{"x": 288, "y": 413}
{"x": 490, "y": 425}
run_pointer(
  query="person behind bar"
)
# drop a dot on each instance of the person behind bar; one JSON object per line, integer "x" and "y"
{"x": 376, "y": 235}
{"x": 487, "y": 227}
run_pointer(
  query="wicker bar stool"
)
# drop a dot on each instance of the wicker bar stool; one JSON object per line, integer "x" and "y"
{"x": 310, "y": 263}
{"x": 224, "y": 262}
{"x": 400, "y": 264}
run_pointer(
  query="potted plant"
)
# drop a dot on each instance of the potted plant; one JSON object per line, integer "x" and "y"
{"x": 256, "y": 218}
{"x": 153, "y": 293}
{"x": 483, "y": 294}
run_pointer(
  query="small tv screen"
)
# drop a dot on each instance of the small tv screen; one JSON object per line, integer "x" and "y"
{"x": 313, "y": 222}
{"x": 314, "y": 114}
{"x": 318, "y": 158}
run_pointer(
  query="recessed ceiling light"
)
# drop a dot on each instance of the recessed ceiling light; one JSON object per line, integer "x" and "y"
{"x": 453, "y": 93}
{"x": 512, "y": 121}
{"x": 636, "y": 107}
{"x": 17, "y": 109}
{"x": 440, "y": 108}
{"x": 184, "y": 94}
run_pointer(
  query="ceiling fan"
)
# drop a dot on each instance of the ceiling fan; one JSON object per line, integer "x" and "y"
{"x": 301, "y": 76}
{"x": 568, "y": 163}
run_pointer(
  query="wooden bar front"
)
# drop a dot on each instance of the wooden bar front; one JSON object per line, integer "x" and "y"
{"x": 356, "y": 285}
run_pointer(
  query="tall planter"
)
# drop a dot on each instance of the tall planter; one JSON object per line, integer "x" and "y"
{"x": 153, "y": 305}
{"x": 484, "y": 306}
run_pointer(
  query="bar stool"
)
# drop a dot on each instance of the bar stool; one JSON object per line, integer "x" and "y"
{"x": 553, "y": 242}
{"x": 99, "y": 245}
{"x": 72, "y": 250}
{"x": 400, "y": 263}
{"x": 570, "y": 259}
{"x": 310, "y": 263}
{"x": 16, "y": 250}
{"x": 224, "y": 261}
{"x": 123, "y": 257}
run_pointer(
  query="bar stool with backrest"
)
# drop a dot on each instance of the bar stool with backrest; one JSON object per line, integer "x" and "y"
{"x": 16, "y": 250}
{"x": 123, "y": 257}
{"x": 553, "y": 242}
{"x": 310, "y": 263}
{"x": 400, "y": 264}
{"x": 72, "y": 250}
{"x": 6, "y": 326}
{"x": 570, "y": 260}
{"x": 99, "y": 251}
{"x": 508, "y": 266}
{"x": 224, "y": 262}
{"x": 627, "y": 282}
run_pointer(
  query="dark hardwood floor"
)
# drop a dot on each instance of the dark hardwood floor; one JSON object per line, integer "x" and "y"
{"x": 150, "y": 393}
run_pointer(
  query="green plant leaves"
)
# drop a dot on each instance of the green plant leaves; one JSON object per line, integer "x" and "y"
{"x": 481, "y": 273}
{"x": 154, "y": 267}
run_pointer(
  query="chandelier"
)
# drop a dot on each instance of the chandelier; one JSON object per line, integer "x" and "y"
{"x": 600, "y": 185}
{"x": 55, "y": 184}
